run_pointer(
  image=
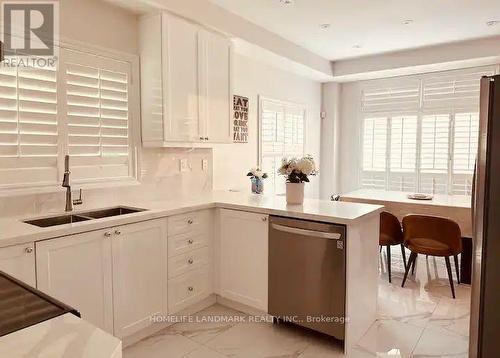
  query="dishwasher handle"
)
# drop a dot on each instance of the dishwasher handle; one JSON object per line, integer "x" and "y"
{"x": 305, "y": 232}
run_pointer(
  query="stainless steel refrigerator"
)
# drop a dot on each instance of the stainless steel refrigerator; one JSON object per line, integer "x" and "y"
{"x": 485, "y": 302}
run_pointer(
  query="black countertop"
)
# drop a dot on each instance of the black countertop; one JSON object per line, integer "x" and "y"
{"x": 22, "y": 306}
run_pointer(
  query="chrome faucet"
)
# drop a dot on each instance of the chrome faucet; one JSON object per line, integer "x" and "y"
{"x": 66, "y": 184}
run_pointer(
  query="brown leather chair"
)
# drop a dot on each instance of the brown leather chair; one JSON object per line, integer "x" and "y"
{"x": 390, "y": 235}
{"x": 432, "y": 236}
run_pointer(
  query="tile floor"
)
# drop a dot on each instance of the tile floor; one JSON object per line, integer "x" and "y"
{"x": 420, "y": 320}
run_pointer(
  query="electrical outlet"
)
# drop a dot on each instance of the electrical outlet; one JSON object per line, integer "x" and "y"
{"x": 204, "y": 165}
{"x": 184, "y": 167}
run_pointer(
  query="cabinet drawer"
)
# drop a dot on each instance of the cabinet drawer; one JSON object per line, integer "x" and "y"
{"x": 197, "y": 221}
{"x": 188, "y": 262}
{"x": 184, "y": 243}
{"x": 188, "y": 289}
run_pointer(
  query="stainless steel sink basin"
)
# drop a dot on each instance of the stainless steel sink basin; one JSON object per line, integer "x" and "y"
{"x": 57, "y": 220}
{"x": 106, "y": 213}
{"x": 88, "y": 215}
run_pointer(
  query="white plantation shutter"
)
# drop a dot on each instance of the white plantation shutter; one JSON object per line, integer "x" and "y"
{"x": 432, "y": 131}
{"x": 403, "y": 153}
{"x": 400, "y": 96}
{"x": 81, "y": 108}
{"x": 374, "y": 152}
{"x": 97, "y": 108}
{"x": 465, "y": 146}
{"x": 454, "y": 89}
{"x": 282, "y": 135}
{"x": 28, "y": 126}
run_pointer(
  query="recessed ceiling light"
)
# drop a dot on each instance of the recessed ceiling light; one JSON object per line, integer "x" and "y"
{"x": 357, "y": 46}
{"x": 286, "y": 2}
{"x": 407, "y": 22}
{"x": 325, "y": 26}
{"x": 493, "y": 23}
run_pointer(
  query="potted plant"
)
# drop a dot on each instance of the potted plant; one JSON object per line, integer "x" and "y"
{"x": 257, "y": 177}
{"x": 297, "y": 171}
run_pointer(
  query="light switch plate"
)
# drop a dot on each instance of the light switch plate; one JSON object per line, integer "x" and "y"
{"x": 204, "y": 165}
{"x": 184, "y": 167}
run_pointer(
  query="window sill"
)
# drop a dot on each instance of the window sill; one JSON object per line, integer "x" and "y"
{"x": 52, "y": 189}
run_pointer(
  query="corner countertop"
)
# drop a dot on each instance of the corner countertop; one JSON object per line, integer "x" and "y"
{"x": 63, "y": 336}
{"x": 14, "y": 231}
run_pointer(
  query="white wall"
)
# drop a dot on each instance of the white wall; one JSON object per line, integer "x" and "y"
{"x": 99, "y": 23}
{"x": 251, "y": 79}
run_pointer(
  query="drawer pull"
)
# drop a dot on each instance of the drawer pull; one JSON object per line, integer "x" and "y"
{"x": 190, "y": 288}
{"x": 28, "y": 250}
{"x": 118, "y": 232}
{"x": 190, "y": 261}
{"x": 264, "y": 218}
{"x": 190, "y": 241}
{"x": 190, "y": 221}
{"x": 107, "y": 234}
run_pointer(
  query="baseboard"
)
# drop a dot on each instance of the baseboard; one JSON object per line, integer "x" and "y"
{"x": 241, "y": 307}
{"x": 156, "y": 327}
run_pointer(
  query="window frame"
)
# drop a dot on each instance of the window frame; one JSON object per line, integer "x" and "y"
{"x": 261, "y": 100}
{"x": 420, "y": 112}
{"x": 134, "y": 128}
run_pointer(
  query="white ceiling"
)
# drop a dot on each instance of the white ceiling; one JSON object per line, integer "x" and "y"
{"x": 374, "y": 25}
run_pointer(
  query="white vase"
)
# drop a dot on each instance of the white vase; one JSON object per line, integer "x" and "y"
{"x": 295, "y": 193}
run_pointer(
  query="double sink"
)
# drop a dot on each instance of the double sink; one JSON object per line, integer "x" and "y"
{"x": 84, "y": 216}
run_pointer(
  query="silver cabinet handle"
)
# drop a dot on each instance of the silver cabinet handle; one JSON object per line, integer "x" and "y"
{"x": 190, "y": 288}
{"x": 190, "y": 241}
{"x": 190, "y": 261}
{"x": 190, "y": 221}
{"x": 118, "y": 232}
{"x": 264, "y": 218}
{"x": 201, "y": 138}
{"x": 28, "y": 250}
{"x": 305, "y": 232}
{"x": 107, "y": 234}
{"x": 206, "y": 138}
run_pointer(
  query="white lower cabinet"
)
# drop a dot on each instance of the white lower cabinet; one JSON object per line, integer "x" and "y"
{"x": 19, "y": 262}
{"x": 116, "y": 278}
{"x": 139, "y": 275}
{"x": 77, "y": 270}
{"x": 243, "y": 257}
{"x": 188, "y": 289}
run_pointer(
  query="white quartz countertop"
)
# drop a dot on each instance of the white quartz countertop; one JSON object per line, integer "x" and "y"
{"x": 14, "y": 231}
{"x": 65, "y": 336}
{"x": 380, "y": 196}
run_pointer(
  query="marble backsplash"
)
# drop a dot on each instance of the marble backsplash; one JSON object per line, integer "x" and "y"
{"x": 160, "y": 179}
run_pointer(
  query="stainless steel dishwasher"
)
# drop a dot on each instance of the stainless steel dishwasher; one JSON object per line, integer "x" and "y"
{"x": 307, "y": 274}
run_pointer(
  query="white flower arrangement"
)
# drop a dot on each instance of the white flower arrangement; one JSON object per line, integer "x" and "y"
{"x": 257, "y": 173}
{"x": 297, "y": 170}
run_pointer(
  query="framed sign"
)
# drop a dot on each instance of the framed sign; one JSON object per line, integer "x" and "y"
{"x": 240, "y": 119}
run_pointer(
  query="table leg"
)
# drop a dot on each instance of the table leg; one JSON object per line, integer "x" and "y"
{"x": 466, "y": 261}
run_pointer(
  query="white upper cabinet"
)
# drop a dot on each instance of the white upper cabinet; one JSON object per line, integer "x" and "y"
{"x": 215, "y": 87}
{"x": 180, "y": 69}
{"x": 186, "y": 83}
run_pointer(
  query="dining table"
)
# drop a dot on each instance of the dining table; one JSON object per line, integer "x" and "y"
{"x": 454, "y": 207}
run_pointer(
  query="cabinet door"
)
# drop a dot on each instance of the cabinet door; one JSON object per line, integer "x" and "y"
{"x": 215, "y": 87}
{"x": 180, "y": 61}
{"x": 244, "y": 257}
{"x": 19, "y": 262}
{"x": 139, "y": 275}
{"x": 76, "y": 270}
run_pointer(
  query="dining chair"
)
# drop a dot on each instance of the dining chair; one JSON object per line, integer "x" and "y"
{"x": 390, "y": 235}
{"x": 432, "y": 236}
